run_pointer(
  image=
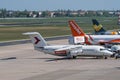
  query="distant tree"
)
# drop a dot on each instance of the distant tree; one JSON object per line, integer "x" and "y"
{"x": 68, "y": 13}
{"x": 106, "y": 14}
{"x": 45, "y": 14}
{"x": 58, "y": 13}
{"x": 24, "y": 13}
{"x": 3, "y": 13}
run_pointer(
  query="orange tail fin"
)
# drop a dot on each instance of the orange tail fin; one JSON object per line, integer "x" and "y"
{"x": 75, "y": 29}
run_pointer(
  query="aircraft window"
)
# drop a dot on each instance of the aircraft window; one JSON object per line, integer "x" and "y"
{"x": 78, "y": 47}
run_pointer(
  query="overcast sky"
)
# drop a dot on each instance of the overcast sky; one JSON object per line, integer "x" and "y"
{"x": 60, "y": 4}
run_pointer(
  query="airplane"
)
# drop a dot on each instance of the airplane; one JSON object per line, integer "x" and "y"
{"x": 69, "y": 51}
{"x": 79, "y": 37}
{"x": 99, "y": 30}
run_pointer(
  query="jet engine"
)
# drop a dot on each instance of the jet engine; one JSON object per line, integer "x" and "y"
{"x": 75, "y": 52}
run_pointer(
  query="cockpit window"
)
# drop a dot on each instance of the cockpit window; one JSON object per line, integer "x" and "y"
{"x": 101, "y": 49}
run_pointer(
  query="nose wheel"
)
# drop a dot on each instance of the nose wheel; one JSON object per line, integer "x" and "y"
{"x": 74, "y": 57}
{"x": 105, "y": 57}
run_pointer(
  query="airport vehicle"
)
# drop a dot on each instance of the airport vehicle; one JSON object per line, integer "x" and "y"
{"x": 70, "y": 51}
{"x": 79, "y": 37}
{"x": 116, "y": 49}
{"x": 99, "y": 30}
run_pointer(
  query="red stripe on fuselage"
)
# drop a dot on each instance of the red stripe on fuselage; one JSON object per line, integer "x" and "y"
{"x": 63, "y": 52}
{"x": 115, "y": 41}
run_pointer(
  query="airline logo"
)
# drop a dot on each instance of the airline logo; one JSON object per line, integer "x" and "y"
{"x": 37, "y": 40}
{"x": 97, "y": 28}
{"x": 75, "y": 27}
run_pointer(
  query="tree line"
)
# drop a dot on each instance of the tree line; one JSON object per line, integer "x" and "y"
{"x": 4, "y": 13}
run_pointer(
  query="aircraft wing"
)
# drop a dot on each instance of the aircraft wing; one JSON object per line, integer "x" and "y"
{"x": 72, "y": 50}
{"x": 69, "y": 48}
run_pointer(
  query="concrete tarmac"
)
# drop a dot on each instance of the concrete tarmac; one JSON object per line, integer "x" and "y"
{"x": 22, "y": 62}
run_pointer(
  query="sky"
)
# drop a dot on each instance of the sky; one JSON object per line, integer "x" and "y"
{"x": 60, "y": 4}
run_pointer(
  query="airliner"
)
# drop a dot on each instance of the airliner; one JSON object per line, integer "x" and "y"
{"x": 99, "y": 30}
{"x": 79, "y": 37}
{"x": 69, "y": 51}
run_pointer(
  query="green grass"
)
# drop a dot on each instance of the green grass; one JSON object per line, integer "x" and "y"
{"x": 15, "y": 33}
{"x": 50, "y": 26}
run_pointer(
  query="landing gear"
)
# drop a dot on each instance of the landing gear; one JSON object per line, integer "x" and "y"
{"x": 116, "y": 57}
{"x": 105, "y": 57}
{"x": 71, "y": 56}
{"x": 74, "y": 57}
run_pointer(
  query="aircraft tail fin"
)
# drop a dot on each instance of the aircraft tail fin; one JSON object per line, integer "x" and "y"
{"x": 75, "y": 29}
{"x": 36, "y": 38}
{"x": 97, "y": 27}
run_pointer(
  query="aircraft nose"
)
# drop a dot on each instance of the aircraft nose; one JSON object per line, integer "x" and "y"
{"x": 109, "y": 53}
